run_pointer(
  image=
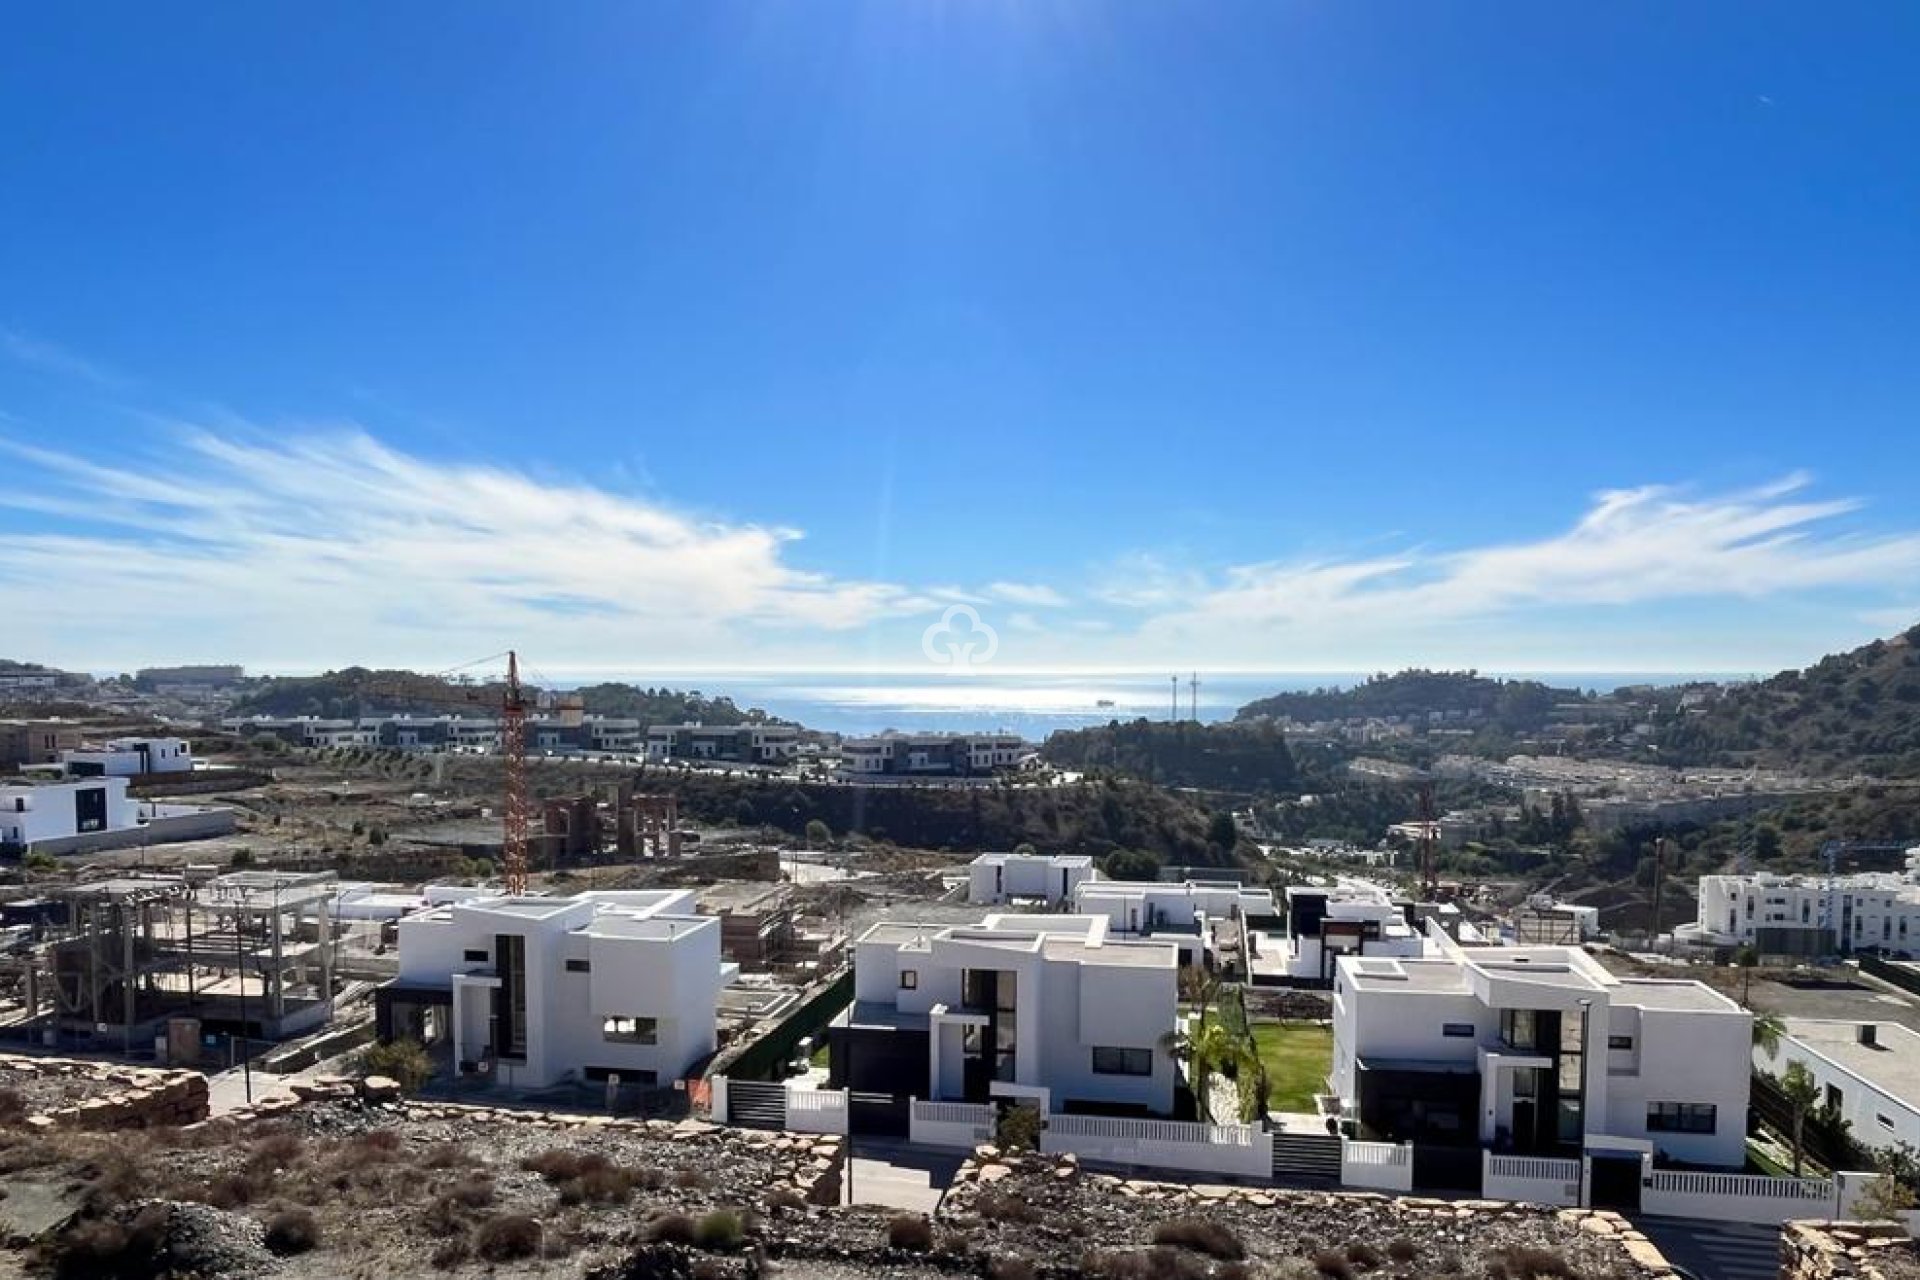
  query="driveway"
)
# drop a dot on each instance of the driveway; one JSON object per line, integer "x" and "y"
{"x": 1716, "y": 1250}
{"x": 898, "y": 1175}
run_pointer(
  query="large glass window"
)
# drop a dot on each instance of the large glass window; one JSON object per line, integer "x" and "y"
{"x": 1122, "y": 1062}
{"x": 630, "y": 1030}
{"x": 1517, "y": 1028}
{"x": 1682, "y": 1117}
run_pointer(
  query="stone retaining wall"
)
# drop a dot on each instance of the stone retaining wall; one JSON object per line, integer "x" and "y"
{"x": 127, "y": 1097}
{"x": 1847, "y": 1251}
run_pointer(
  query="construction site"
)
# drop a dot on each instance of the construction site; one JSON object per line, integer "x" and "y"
{"x": 179, "y": 965}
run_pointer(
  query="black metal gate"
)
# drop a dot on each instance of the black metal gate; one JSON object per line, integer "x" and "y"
{"x": 756, "y": 1104}
{"x": 1438, "y": 1168}
{"x": 1616, "y": 1183}
{"x": 879, "y": 1115}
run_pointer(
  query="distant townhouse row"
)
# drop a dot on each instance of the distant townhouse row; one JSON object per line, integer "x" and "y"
{"x": 956, "y": 755}
{"x": 612, "y": 735}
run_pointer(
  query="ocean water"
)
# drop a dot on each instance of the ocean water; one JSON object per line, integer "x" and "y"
{"x": 1033, "y": 705}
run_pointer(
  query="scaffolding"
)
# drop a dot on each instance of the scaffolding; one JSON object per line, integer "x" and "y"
{"x": 249, "y": 955}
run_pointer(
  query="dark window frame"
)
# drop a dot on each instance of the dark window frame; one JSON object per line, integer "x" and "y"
{"x": 1121, "y": 1060}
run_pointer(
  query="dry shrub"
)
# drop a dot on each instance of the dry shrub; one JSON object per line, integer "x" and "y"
{"x": 560, "y": 1164}
{"x": 1234, "y": 1271}
{"x": 721, "y": 1231}
{"x": 229, "y": 1191}
{"x": 475, "y": 1192}
{"x": 1010, "y": 1268}
{"x": 447, "y": 1155}
{"x": 506, "y": 1237}
{"x": 1526, "y": 1263}
{"x": 1159, "y": 1263}
{"x": 786, "y": 1198}
{"x": 449, "y": 1254}
{"x": 1333, "y": 1264}
{"x": 909, "y": 1231}
{"x": 98, "y": 1247}
{"x": 692, "y": 1180}
{"x": 281, "y": 1149}
{"x": 601, "y": 1184}
{"x": 1364, "y": 1256}
{"x": 998, "y": 1206}
{"x": 13, "y": 1106}
{"x": 292, "y": 1231}
{"x": 668, "y": 1228}
{"x": 1403, "y": 1250}
{"x": 1202, "y": 1235}
{"x": 372, "y": 1147}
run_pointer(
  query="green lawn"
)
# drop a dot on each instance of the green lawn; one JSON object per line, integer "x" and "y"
{"x": 820, "y": 1055}
{"x": 1297, "y": 1056}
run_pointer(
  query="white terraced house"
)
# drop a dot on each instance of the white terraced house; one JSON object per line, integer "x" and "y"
{"x": 1869, "y": 1072}
{"x": 1048, "y": 1009}
{"x": 1184, "y": 912}
{"x": 534, "y": 991}
{"x": 1539, "y": 1051}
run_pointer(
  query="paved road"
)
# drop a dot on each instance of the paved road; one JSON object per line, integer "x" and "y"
{"x": 1716, "y": 1250}
{"x": 890, "y": 1172}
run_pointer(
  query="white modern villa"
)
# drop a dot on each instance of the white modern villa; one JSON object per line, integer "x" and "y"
{"x": 533, "y": 991}
{"x": 1869, "y": 1072}
{"x": 1539, "y": 1051}
{"x": 998, "y": 879}
{"x": 1048, "y": 1009}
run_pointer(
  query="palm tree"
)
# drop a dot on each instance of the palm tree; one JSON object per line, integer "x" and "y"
{"x": 1802, "y": 1092}
{"x": 1209, "y": 1047}
{"x": 1767, "y": 1030}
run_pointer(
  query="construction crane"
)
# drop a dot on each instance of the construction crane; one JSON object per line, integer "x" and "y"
{"x": 513, "y": 704}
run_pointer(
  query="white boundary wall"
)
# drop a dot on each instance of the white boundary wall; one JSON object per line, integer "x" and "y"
{"x": 1530, "y": 1179}
{"x": 1376, "y": 1166}
{"x": 816, "y": 1110}
{"x": 950, "y": 1124}
{"x": 1238, "y": 1150}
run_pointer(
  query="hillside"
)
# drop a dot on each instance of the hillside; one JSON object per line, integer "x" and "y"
{"x": 1513, "y": 706}
{"x": 1227, "y": 757}
{"x": 1856, "y": 712}
{"x": 359, "y": 691}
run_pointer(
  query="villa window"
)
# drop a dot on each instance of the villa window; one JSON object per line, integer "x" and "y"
{"x": 1458, "y": 1030}
{"x": 1122, "y": 1062}
{"x": 1682, "y": 1117}
{"x": 1619, "y": 1042}
{"x": 579, "y": 966}
{"x": 630, "y": 1030}
{"x": 909, "y": 979}
{"x": 477, "y": 955}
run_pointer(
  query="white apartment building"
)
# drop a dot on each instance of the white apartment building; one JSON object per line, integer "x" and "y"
{"x": 934, "y": 754}
{"x": 1539, "y": 1051}
{"x": 1811, "y": 915}
{"x": 1867, "y": 1071}
{"x": 532, "y": 991}
{"x": 994, "y": 879}
{"x": 735, "y": 743}
{"x": 1048, "y": 1009}
{"x": 129, "y": 758}
{"x": 42, "y": 812}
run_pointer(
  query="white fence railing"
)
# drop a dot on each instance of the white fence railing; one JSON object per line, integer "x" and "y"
{"x": 1238, "y": 1150}
{"x": 1737, "y": 1197}
{"x": 816, "y": 1110}
{"x": 950, "y": 1124}
{"x": 1376, "y": 1166}
{"x": 1160, "y": 1131}
{"x": 1530, "y": 1179}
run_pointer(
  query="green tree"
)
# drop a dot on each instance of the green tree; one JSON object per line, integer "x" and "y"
{"x": 1802, "y": 1094}
{"x": 1221, "y": 831}
{"x": 1131, "y": 864}
{"x": 1767, "y": 1030}
{"x": 404, "y": 1060}
{"x": 1883, "y": 1200}
{"x": 819, "y": 834}
{"x": 40, "y": 860}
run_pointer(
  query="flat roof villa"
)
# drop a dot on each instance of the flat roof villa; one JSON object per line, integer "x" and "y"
{"x": 1052, "y": 1009}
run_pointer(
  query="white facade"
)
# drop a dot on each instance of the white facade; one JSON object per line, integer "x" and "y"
{"x": 1536, "y": 1050}
{"x": 1874, "y": 911}
{"x": 61, "y": 810}
{"x": 130, "y": 757}
{"x": 1183, "y": 912}
{"x": 1868, "y": 1071}
{"x": 1075, "y": 1016}
{"x": 997, "y": 878}
{"x": 625, "y": 983}
{"x": 954, "y": 754}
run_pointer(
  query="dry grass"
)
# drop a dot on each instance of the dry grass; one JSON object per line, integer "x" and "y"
{"x": 1202, "y": 1235}
{"x": 911, "y": 1232}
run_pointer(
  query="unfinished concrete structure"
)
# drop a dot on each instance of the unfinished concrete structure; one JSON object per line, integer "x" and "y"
{"x": 140, "y": 960}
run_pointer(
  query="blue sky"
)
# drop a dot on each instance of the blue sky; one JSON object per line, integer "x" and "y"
{"x": 1272, "y": 335}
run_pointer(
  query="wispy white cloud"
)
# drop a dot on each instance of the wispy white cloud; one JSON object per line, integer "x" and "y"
{"x": 326, "y": 546}
{"x": 50, "y": 357}
{"x": 1633, "y": 547}
{"x": 1031, "y": 594}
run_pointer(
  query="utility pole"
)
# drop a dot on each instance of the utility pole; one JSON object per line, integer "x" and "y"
{"x": 1193, "y": 687}
{"x": 1659, "y": 885}
{"x": 1175, "y": 712}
